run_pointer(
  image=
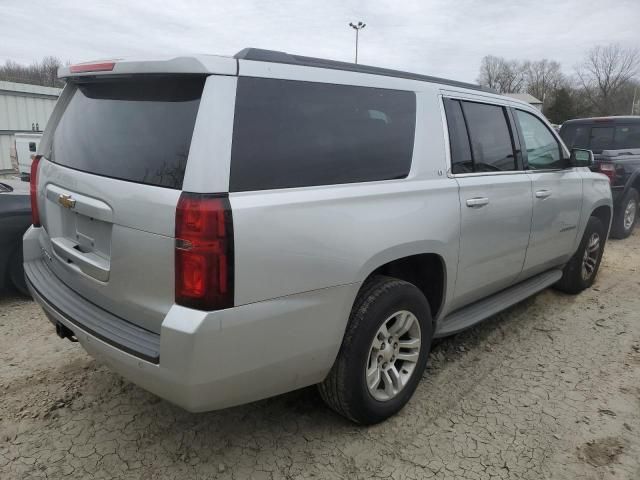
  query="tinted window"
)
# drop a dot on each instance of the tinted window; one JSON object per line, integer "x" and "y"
{"x": 601, "y": 139}
{"x": 576, "y": 136}
{"x": 133, "y": 129}
{"x": 490, "y": 137}
{"x": 543, "y": 151}
{"x": 295, "y": 134}
{"x": 461, "y": 159}
{"x": 627, "y": 136}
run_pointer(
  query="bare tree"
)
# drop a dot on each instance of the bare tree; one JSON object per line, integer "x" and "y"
{"x": 38, "y": 73}
{"x": 490, "y": 68}
{"x": 605, "y": 73}
{"x": 505, "y": 76}
{"x": 543, "y": 78}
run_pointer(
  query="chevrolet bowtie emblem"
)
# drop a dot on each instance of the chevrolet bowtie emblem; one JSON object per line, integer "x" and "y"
{"x": 66, "y": 201}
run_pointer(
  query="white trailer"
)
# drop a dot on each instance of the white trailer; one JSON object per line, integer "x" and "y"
{"x": 23, "y": 109}
{"x": 26, "y": 147}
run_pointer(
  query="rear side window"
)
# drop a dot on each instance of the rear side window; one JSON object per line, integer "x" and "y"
{"x": 627, "y": 136}
{"x": 490, "y": 137}
{"x": 134, "y": 129}
{"x": 295, "y": 134}
{"x": 461, "y": 159}
{"x": 480, "y": 137}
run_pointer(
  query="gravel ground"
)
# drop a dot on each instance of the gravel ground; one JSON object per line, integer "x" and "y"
{"x": 547, "y": 389}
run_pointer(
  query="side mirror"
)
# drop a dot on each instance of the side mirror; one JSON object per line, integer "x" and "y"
{"x": 580, "y": 158}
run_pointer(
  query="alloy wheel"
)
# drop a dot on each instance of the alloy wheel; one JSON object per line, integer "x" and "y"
{"x": 591, "y": 255}
{"x": 630, "y": 214}
{"x": 393, "y": 355}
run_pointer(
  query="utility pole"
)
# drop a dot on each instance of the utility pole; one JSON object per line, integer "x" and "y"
{"x": 633, "y": 103}
{"x": 357, "y": 27}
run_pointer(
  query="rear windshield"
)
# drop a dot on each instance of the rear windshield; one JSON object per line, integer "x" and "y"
{"x": 134, "y": 129}
{"x": 601, "y": 136}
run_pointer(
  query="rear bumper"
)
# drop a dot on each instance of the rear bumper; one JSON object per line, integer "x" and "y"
{"x": 206, "y": 360}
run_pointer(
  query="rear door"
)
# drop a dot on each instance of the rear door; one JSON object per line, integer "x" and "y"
{"x": 111, "y": 179}
{"x": 495, "y": 199}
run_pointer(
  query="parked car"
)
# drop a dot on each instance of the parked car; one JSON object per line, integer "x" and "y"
{"x": 615, "y": 142}
{"x": 221, "y": 230}
{"x": 15, "y": 219}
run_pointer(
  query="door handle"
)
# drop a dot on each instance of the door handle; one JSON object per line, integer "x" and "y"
{"x": 477, "y": 202}
{"x": 543, "y": 193}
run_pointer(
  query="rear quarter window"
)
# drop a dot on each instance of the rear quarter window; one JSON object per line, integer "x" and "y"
{"x": 296, "y": 134}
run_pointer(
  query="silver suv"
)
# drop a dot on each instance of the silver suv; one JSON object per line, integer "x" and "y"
{"x": 220, "y": 230}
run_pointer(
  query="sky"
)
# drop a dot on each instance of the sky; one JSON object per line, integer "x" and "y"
{"x": 433, "y": 37}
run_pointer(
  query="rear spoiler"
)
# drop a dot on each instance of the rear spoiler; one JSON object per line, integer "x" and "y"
{"x": 199, "y": 64}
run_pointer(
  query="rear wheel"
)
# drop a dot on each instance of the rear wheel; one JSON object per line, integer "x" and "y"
{"x": 383, "y": 353}
{"x": 581, "y": 271}
{"x": 626, "y": 216}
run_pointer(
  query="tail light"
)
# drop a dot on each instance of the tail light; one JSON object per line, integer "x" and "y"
{"x": 204, "y": 251}
{"x": 33, "y": 191}
{"x": 609, "y": 169}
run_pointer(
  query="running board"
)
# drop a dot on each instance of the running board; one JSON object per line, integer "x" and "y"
{"x": 483, "y": 309}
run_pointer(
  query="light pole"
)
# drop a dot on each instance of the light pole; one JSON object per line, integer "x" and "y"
{"x": 357, "y": 27}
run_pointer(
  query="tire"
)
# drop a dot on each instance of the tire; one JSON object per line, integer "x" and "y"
{"x": 622, "y": 226}
{"x": 16, "y": 272}
{"x": 573, "y": 279}
{"x": 345, "y": 389}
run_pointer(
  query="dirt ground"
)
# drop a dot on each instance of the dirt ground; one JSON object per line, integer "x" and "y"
{"x": 549, "y": 389}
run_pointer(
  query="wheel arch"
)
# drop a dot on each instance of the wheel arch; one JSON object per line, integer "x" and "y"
{"x": 427, "y": 270}
{"x": 633, "y": 182}
{"x": 604, "y": 214}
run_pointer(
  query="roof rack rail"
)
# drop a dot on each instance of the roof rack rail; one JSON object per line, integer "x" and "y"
{"x": 274, "y": 56}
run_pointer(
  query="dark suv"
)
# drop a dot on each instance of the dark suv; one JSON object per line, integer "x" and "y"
{"x": 615, "y": 141}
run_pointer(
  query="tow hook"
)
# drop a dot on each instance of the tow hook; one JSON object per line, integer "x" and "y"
{"x": 64, "y": 332}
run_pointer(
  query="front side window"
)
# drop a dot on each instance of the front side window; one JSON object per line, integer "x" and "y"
{"x": 296, "y": 134}
{"x": 543, "y": 150}
{"x": 490, "y": 137}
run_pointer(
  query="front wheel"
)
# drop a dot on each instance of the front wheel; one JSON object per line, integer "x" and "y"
{"x": 581, "y": 271}
{"x": 383, "y": 354}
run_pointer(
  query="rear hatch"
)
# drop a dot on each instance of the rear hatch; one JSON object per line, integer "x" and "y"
{"x": 111, "y": 177}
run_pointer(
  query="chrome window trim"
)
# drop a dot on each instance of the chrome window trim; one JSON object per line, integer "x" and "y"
{"x": 486, "y": 174}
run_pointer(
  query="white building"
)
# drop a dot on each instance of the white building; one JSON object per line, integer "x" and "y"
{"x": 23, "y": 108}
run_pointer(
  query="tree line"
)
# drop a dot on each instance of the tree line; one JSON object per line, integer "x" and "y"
{"x": 606, "y": 82}
{"x": 44, "y": 72}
